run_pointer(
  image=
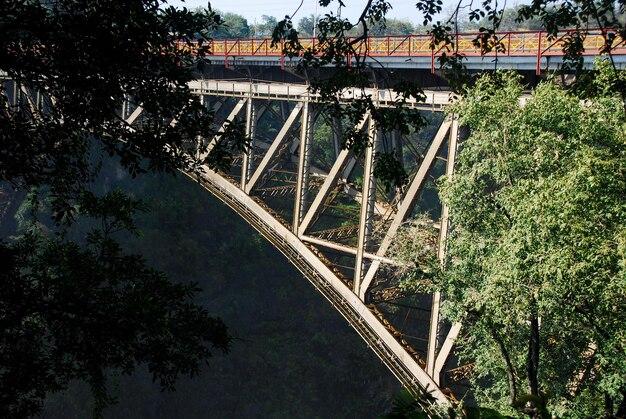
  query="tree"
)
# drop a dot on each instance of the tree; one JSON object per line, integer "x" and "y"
{"x": 72, "y": 311}
{"x": 78, "y": 307}
{"x": 393, "y": 27}
{"x": 510, "y": 21}
{"x": 306, "y": 25}
{"x": 233, "y": 26}
{"x": 265, "y": 28}
{"x": 389, "y": 26}
{"x": 536, "y": 261}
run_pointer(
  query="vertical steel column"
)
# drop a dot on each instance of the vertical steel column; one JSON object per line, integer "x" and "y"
{"x": 199, "y": 139}
{"x": 367, "y": 205}
{"x": 396, "y": 147}
{"x": 337, "y": 135}
{"x": 15, "y": 102}
{"x": 246, "y": 167}
{"x": 433, "y": 335}
{"x": 304, "y": 165}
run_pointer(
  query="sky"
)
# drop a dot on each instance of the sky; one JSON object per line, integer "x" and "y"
{"x": 253, "y": 9}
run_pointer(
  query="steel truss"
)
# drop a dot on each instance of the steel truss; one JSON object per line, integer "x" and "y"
{"x": 335, "y": 224}
{"x": 283, "y": 194}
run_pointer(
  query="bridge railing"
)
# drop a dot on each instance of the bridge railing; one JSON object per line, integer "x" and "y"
{"x": 511, "y": 44}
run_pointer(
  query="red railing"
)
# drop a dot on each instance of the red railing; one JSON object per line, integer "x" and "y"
{"x": 512, "y": 44}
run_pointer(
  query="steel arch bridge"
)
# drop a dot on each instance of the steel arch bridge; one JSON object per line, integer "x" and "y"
{"x": 322, "y": 208}
{"x": 320, "y": 205}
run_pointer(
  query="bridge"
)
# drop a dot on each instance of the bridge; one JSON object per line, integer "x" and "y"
{"x": 529, "y": 51}
{"x": 322, "y": 206}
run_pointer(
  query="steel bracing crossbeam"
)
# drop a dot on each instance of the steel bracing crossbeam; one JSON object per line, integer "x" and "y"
{"x": 282, "y": 191}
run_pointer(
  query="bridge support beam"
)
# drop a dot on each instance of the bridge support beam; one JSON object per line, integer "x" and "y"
{"x": 248, "y": 155}
{"x": 407, "y": 203}
{"x": 231, "y": 117}
{"x": 304, "y": 165}
{"x": 341, "y": 168}
{"x": 433, "y": 335}
{"x": 278, "y": 141}
{"x": 367, "y": 205}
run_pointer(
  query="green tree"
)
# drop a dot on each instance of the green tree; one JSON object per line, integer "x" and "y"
{"x": 510, "y": 21}
{"x": 265, "y": 28}
{"x": 76, "y": 306}
{"x": 306, "y": 25}
{"x": 390, "y": 26}
{"x": 393, "y": 27}
{"x": 536, "y": 265}
{"x": 233, "y": 26}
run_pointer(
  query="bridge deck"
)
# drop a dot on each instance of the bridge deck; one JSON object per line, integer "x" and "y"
{"x": 528, "y": 50}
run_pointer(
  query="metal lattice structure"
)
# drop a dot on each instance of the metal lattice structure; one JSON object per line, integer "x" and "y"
{"x": 320, "y": 205}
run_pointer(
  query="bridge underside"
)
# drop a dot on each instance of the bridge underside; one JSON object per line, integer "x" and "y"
{"x": 274, "y": 69}
{"x": 323, "y": 208}
{"x": 271, "y": 70}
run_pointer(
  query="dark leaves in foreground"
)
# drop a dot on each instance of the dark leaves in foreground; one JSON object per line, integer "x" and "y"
{"x": 69, "y": 313}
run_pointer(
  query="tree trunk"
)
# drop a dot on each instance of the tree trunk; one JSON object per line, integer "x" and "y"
{"x": 608, "y": 406}
{"x": 532, "y": 361}
{"x": 509, "y": 367}
{"x": 621, "y": 411}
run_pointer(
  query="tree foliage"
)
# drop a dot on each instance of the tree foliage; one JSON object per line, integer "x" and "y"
{"x": 78, "y": 307}
{"x": 265, "y": 28}
{"x": 233, "y": 25}
{"x": 80, "y": 312}
{"x": 86, "y": 58}
{"x": 306, "y": 25}
{"x": 536, "y": 262}
{"x": 390, "y": 26}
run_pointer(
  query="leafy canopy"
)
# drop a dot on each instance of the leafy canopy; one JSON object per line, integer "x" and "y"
{"x": 78, "y": 308}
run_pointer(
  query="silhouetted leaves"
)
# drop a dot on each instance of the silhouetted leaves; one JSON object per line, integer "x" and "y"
{"x": 77, "y": 309}
{"x": 76, "y": 313}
